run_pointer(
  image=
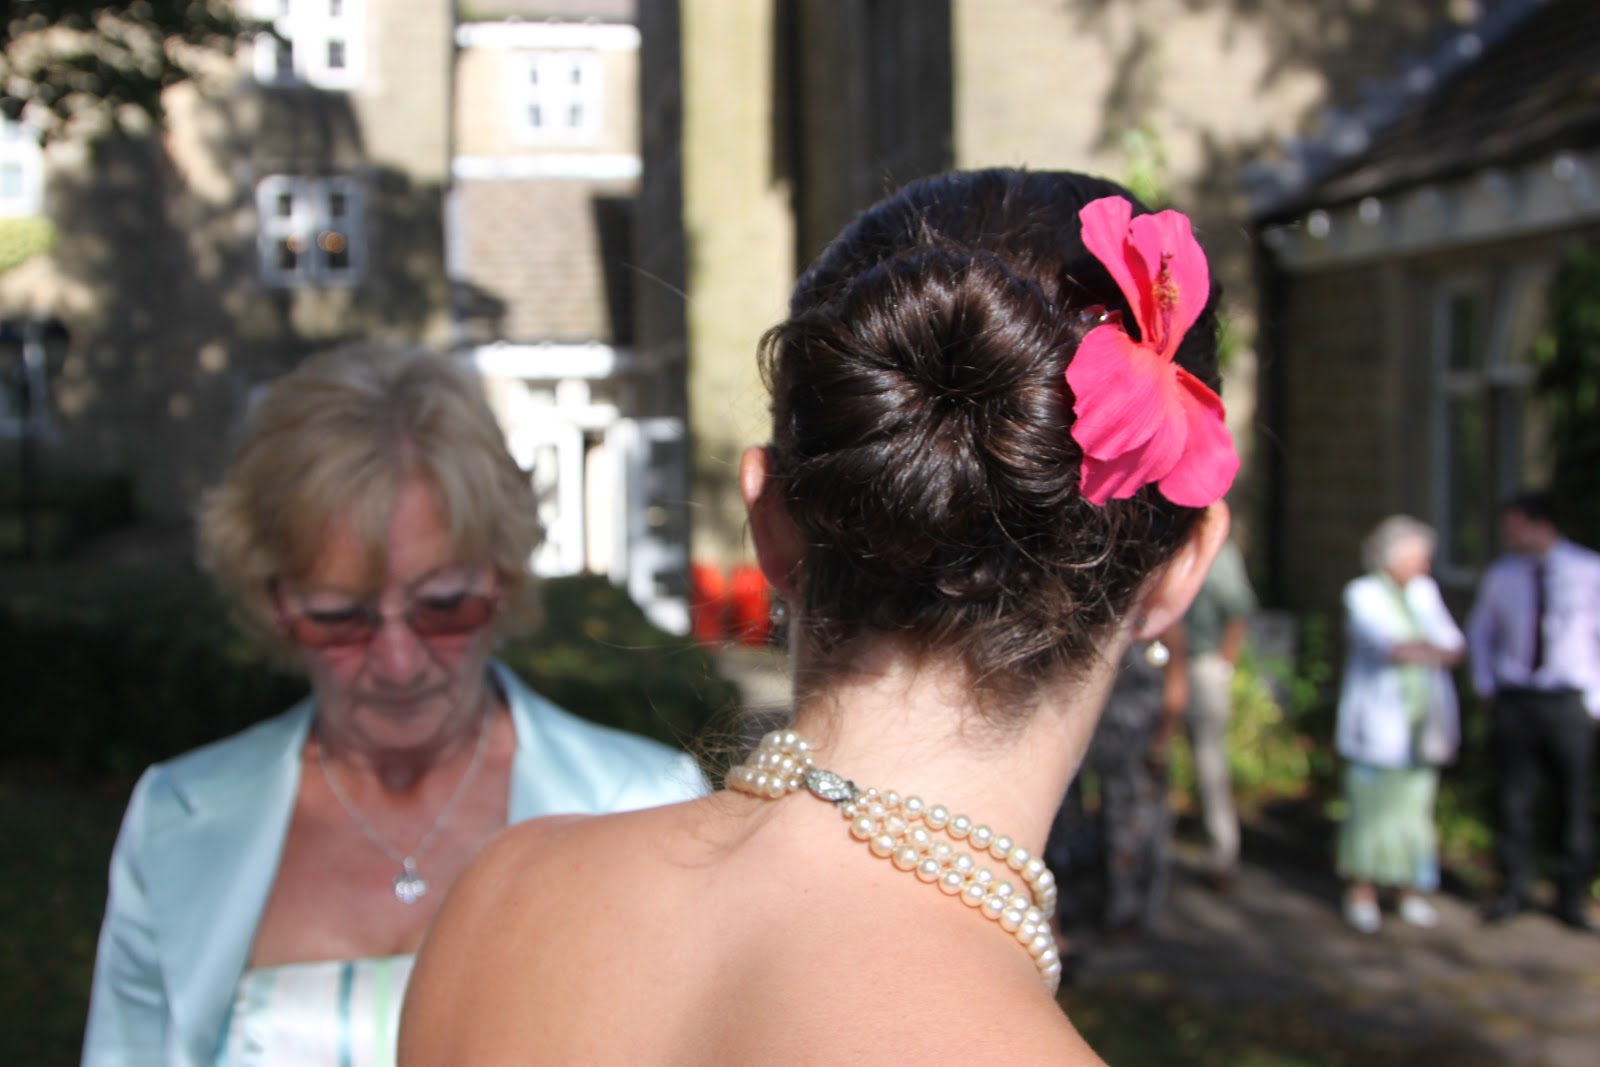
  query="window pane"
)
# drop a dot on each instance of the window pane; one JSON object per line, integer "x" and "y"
{"x": 1464, "y": 339}
{"x": 577, "y": 73}
{"x": 283, "y": 60}
{"x": 335, "y": 9}
{"x": 575, "y": 116}
{"x": 535, "y": 116}
{"x": 335, "y": 249}
{"x": 10, "y": 181}
{"x": 1467, "y": 430}
{"x": 338, "y": 204}
{"x": 283, "y": 205}
{"x": 288, "y": 255}
{"x": 533, "y": 73}
{"x": 336, "y": 54}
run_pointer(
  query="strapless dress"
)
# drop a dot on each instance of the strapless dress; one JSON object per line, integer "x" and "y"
{"x": 327, "y": 1013}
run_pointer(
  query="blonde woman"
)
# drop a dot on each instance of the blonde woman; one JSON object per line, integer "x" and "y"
{"x": 268, "y": 891}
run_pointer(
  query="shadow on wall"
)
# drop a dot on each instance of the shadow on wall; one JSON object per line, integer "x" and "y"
{"x": 180, "y": 327}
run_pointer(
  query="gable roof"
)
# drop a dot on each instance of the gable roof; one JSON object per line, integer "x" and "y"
{"x": 1534, "y": 91}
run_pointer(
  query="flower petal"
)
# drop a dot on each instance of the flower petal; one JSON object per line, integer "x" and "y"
{"x": 1104, "y": 225}
{"x": 1179, "y": 284}
{"x": 1119, "y": 392}
{"x": 1209, "y": 462}
{"x": 1121, "y": 476}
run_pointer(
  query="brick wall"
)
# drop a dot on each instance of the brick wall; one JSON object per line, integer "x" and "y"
{"x": 1336, "y": 434}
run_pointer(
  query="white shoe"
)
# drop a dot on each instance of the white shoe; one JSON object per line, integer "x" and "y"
{"x": 1418, "y": 912}
{"x": 1362, "y": 914}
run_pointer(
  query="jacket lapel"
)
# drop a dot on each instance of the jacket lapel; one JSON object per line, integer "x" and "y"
{"x": 212, "y": 863}
{"x": 541, "y": 784}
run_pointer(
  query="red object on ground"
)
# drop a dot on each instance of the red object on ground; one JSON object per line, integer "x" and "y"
{"x": 708, "y": 604}
{"x": 751, "y": 600}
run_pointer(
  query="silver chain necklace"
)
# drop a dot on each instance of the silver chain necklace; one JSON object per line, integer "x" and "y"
{"x": 409, "y": 886}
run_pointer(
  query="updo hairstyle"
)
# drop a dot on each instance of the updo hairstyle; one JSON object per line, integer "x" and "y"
{"x": 335, "y": 440}
{"x": 921, "y": 435}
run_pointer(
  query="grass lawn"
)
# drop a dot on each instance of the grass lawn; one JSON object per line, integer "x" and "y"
{"x": 52, "y": 891}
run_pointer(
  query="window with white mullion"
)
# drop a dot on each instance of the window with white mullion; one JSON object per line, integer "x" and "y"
{"x": 1485, "y": 426}
{"x": 311, "y": 231}
{"x": 21, "y": 171}
{"x": 558, "y": 95}
{"x": 337, "y": 239}
{"x": 319, "y": 43}
{"x": 1461, "y": 431}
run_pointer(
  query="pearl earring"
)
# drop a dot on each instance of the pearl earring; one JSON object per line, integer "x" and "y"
{"x": 1156, "y": 653}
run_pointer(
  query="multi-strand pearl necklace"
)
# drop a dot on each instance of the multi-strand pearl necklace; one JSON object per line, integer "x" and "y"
{"x": 902, "y": 830}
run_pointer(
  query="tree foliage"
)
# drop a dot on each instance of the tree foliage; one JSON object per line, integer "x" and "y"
{"x": 87, "y": 66}
{"x": 1568, "y": 358}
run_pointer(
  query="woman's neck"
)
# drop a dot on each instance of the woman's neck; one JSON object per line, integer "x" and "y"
{"x": 402, "y": 770}
{"x": 894, "y": 721}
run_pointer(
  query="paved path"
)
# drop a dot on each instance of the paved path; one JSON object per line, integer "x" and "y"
{"x": 1526, "y": 993}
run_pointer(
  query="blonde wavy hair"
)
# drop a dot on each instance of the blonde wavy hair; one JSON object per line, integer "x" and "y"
{"x": 335, "y": 440}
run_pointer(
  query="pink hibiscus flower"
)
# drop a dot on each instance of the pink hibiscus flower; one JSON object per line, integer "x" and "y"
{"x": 1141, "y": 418}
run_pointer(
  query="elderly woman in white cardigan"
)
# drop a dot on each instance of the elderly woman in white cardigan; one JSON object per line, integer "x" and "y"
{"x": 1398, "y": 722}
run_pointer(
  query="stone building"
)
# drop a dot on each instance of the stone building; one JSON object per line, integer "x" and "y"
{"x": 603, "y": 203}
{"x": 1404, "y": 288}
{"x": 379, "y": 169}
{"x": 793, "y": 115}
{"x": 292, "y": 200}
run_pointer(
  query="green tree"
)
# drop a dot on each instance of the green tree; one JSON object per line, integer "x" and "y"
{"x": 87, "y": 66}
{"x": 1567, "y": 354}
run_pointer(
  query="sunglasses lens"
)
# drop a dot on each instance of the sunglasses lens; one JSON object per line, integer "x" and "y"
{"x": 330, "y": 631}
{"x": 452, "y": 616}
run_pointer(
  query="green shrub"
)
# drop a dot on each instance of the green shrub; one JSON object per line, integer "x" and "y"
{"x": 1280, "y": 734}
{"x": 111, "y": 669}
{"x": 600, "y": 657}
{"x": 1281, "y": 748}
{"x": 68, "y": 510}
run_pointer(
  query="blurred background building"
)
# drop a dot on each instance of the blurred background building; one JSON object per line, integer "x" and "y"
{"x": 602, "y": 205}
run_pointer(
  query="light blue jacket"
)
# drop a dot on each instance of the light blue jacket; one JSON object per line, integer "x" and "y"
{"x": 199, "y": 848}
{"x": 1373, "y": 725}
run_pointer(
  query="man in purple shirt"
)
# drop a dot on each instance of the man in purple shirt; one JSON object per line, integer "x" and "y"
{"x": 1534, "y": 635}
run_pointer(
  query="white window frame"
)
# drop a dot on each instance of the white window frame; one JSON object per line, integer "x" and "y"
{"x": 311, "y": 223}
{"x": 543, "y": 81}
{"x": 1501, "y": 378}
{"x": 310, "y": 31}
{"x": 20, "y": 153}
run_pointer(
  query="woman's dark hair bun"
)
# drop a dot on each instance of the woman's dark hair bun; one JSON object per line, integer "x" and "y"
{"x": 921, "y": 432}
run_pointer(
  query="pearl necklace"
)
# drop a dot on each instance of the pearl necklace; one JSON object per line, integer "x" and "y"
{"x": 901, "y": 830}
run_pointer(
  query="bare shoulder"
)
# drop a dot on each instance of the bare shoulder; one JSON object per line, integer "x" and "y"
{"x": 534, "y": 896}
{"x": 907, "y": 999}
{"x": 467, "y": 970}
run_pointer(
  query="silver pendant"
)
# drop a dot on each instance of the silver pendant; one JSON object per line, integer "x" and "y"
{"x": 1157, "y": 654}
{"x": 409, "y": 886}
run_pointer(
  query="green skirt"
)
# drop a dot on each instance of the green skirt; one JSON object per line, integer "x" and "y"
{"x": 1388, "y": 836}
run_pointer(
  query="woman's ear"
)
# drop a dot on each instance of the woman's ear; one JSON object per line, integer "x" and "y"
{"x": 1176, "y": 584}
{"x": 778, "y": 545}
